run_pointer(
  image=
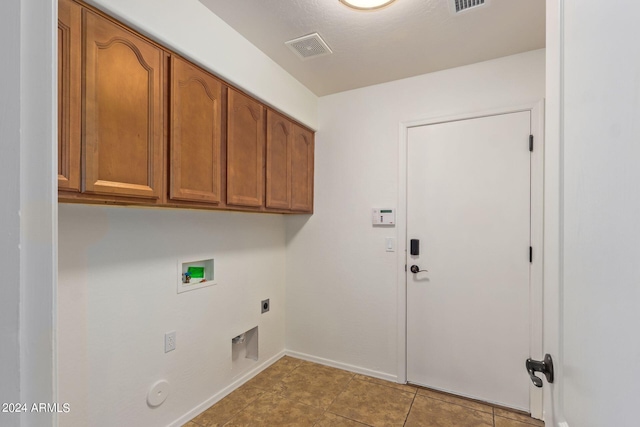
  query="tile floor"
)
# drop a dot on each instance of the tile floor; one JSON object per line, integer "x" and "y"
{"x": 293, "y": 392}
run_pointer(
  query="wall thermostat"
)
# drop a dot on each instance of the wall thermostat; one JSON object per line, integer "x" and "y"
{"x": 386, "y": 216}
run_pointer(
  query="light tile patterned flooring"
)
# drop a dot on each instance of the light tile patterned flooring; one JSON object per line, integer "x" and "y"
{"x": 293, "y": 392}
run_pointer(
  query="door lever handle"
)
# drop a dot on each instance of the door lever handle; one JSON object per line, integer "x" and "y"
{"x": 415, "y": 269}
{"x": 544, "y": 366}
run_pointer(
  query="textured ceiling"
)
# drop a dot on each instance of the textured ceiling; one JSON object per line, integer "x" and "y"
{"x": 407, "y": 38}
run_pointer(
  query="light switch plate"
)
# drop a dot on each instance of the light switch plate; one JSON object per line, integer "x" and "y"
{"x": 390, "y": 244}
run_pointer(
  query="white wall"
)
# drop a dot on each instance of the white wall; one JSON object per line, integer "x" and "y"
{"x": 9, "y": 208}
{"x": 117, "y": 298}
{"x": 28, "y": 212}
{"x": 341, "y": 284}
{"x": 38, "y": 205}
{"x": 191, "y": 29}
{"x": 601, "y": 208}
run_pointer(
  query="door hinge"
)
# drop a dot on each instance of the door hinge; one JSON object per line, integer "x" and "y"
{"x": 530, "y": 254}
{"x": 405, "y": 267}
{"x": 530, "y": 142}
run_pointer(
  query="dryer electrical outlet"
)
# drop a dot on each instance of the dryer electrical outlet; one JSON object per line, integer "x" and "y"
{"x": 169, "y": 341}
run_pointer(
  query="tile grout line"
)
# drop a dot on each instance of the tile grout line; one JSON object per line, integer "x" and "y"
{"x": 287, "y": 373}
{"x": 275, "y": 395}
{"x": 244, "y": 407}
{"x": 343, "y": 389}
{"x": 347, "y": 418}
{"x": 406, "y": 418}
{"x": 338, "y": 395}
{"x": 365, "y": 379}
{"x": 264, "y": 392}
{"x": 460, "y": 399}
{"x": 527, "y": 423}
{"x": 353, "y": 376}
{"x": 511, "y": 416}
{"x": 324, "y": 410}
{"x": 389, "y": 386}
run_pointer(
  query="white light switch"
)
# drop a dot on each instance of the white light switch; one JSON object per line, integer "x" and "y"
{"x": 390, "y": 244}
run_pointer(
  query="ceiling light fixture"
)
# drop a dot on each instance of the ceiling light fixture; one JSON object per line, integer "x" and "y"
{"x": 366, "y": 4}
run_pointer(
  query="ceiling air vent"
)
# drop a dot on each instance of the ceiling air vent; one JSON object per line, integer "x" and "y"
{"x": 307, "y": 47}
{"x": 462, "y": 5}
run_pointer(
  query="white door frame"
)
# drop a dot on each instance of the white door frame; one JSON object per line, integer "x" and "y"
{"x": 554, "y": 205}
{"x": 537, "y": 230}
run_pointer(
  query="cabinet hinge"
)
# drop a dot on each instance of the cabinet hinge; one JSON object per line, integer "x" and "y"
{"x": 530, "y": 142}
{"x": 530, "y": 254}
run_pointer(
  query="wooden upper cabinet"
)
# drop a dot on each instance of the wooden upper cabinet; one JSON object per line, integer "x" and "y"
{"x": 279, "y": 139}
{"x": 69, "y": 85}
{"x": 302, "y": 151}
{"x": 290, "y": 150}
{"x": 140, "y": 125}
{"x": 122, "y": 144}
{"x": 245, "y": 150}
{"x": 196, "y": 116}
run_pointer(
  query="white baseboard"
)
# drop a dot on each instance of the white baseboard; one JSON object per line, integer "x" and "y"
{"x": 344, "y": 366}
{"x": 225, "y": 391}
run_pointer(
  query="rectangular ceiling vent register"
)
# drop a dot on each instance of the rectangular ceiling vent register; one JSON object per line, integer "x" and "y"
{"x": 462, "y": 5}
{"x": 307, "y": 47}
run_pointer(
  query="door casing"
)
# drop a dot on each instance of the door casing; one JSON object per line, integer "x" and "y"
{"x": 537, "y": 216}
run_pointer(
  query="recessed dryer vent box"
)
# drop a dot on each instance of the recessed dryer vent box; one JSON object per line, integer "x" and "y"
{"x": 244, "y": 351}
{"x": 195, "y": 274}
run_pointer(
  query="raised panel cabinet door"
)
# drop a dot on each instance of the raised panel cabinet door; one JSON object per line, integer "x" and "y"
{"x": 245, "y": 150}
{"x": 123, "y": 126}
{"x": 279, "y": 136}
{"x": 302, "y": 150}
{"x": 196, "y": 116}
{"x": 69, "y": 85}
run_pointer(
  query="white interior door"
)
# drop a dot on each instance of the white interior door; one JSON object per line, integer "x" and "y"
{"x": 592, "y": 273}
{"x": 468, "y": 203}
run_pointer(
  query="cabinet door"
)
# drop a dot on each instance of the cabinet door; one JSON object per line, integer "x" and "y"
{"x": 302, "y": 170}
{"x": 69, "y": 81}
{"x": 196, "y": 165}
{"x": 123, "y": 128}
{"x": 245, "y": 150}
{"x": 279, "y": 136}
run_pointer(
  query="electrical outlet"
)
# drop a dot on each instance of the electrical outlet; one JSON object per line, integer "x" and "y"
{"x": 169, "y": 341}
{"x": 265, "y": 306}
